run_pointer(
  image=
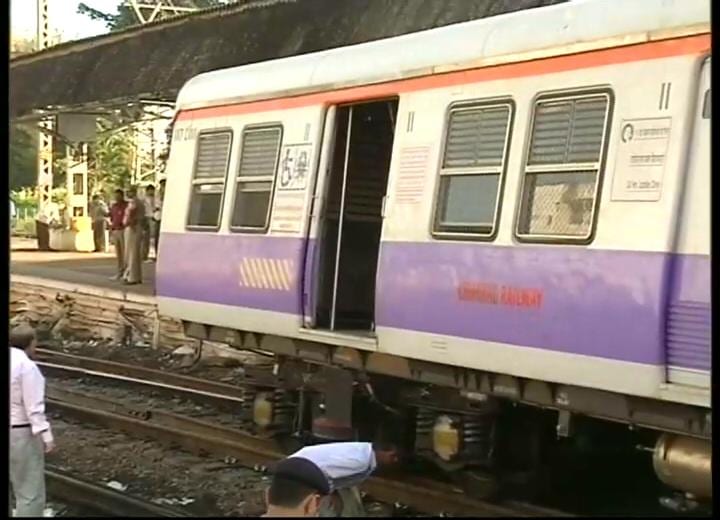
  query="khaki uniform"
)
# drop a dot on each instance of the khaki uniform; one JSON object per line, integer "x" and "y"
{"x": 99, "y": 213}
{"x": 118, "y": 239}
{"x": 134, "y": 217}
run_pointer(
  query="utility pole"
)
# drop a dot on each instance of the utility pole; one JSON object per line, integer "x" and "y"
{"x": 45, "y": 140}
{"x": 147, "y": 11}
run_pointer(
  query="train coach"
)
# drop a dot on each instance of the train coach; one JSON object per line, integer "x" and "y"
{"x": 461, "y": 239}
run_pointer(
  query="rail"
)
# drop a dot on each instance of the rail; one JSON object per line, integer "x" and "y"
{"x": 140, "y": 375}
{"x": 102, "y": 499}
{"x": 202, "y": 437}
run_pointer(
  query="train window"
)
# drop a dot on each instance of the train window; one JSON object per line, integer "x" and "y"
{"x": 211, "y": 164}
{"x": 707, "y": 108}
{"x": 473, "y": 162}
{"x": 563, "y": 168}
{"x": 255, "y": 179}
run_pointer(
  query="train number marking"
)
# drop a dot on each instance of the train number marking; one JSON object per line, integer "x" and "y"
{"x": 185, "y": 134}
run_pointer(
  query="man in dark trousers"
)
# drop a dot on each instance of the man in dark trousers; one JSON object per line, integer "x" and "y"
{"x": 157, "y": 215}
{"x": 148, "y": 237}
{"x": 98, "y": 213}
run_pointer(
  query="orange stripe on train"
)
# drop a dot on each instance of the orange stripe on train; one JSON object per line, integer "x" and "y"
{"x": 639, "y": 52}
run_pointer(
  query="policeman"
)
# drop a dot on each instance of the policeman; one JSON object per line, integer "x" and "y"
{"x": 322, "y": 480}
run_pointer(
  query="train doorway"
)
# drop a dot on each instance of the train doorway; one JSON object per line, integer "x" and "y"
{"x": 350, "y": 227}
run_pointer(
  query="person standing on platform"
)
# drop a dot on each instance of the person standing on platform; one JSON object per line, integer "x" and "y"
{"x": 99, "y": 214}
{"x": 133, "y": 222}
{"x": 48, "y": 216}
{"x": 13, "y": 213}
{"x": 322, "y": 480}
{"x": 148, "y": 222}
{"x": 157, "y": 215}
{"x": 30, "y": 434}
{"x": 117, "y": 231}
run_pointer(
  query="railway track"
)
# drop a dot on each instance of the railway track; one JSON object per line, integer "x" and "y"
{"x": 140, "y": 375}
{"x": 208, "y": 438}
{"x": 101, "y": 499}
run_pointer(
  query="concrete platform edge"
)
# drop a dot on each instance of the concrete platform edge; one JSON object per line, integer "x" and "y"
{"x": 91, "y": 290}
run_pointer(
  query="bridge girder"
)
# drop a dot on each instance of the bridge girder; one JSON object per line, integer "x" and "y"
{"x": 153, "y": 61}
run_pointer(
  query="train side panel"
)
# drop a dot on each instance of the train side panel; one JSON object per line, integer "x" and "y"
{"x": 234, "y": 278}
{"x": 613, "y": 289}
{"x": 688, "y": 326}
{"x": 580, "y": 314}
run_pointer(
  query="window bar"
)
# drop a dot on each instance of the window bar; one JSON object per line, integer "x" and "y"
{"x": 341, "y": 218}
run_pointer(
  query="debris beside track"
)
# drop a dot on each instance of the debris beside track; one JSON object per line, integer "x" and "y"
{"x": 113, "y": 325}
{"x": 207, "y": 487}
{"x": 200, "y": 486}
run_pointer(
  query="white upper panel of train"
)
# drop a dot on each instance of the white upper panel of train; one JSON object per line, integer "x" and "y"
{"x": 471, "y": 43}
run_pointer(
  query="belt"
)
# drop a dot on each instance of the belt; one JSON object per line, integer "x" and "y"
{"x": 20, "y": 426}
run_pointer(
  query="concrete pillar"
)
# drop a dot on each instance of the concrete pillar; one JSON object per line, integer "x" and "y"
{"x": 81, "y": 234}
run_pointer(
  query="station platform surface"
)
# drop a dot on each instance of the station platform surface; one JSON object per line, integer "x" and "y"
{"x": 87, "y": 269}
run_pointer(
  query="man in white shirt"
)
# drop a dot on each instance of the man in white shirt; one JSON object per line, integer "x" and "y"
{"x": 13, "y": 214}
{"x": 99, "y": 214}
{"x": 322, "y": 480}
{"x": 30, "y": 434}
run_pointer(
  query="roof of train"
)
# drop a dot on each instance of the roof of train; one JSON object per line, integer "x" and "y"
{"x": 421, "y": 53}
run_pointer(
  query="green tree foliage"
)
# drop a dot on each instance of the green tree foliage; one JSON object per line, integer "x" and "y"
{"x": 111, "y": 161}
{"x": 125, "y": 17}
{"x": 23, "y": 158}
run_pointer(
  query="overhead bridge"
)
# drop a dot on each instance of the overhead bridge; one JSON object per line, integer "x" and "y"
{"x": 153, "y": 61}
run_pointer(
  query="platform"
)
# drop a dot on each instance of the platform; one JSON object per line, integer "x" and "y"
{"x": 88, "y": 269}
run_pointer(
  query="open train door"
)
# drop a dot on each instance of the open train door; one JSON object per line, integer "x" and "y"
{"x": 688, "y": 334}
{"x": 347, "y": 216}
{"x": 311, "y": 280}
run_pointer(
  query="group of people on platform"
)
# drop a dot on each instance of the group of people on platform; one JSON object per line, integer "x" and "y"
{"x": 134, "y": 228}
{"x": 318, "y": 480}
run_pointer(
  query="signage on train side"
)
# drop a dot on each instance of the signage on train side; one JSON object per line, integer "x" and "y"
{"x": 641, "y": 157}
{"x": 294, "y": 166}
{"x": 496, "y": 294}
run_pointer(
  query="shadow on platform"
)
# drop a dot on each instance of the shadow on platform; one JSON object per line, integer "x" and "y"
{"x": 94, "y": 269}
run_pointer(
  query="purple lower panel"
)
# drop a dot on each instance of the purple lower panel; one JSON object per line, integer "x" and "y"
{"x": 240, "y": 270}
{"x": 606, "y": 304}
{"x": 689, "y": 320}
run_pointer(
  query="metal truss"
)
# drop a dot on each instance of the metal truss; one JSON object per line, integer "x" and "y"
{"x": 149, "y": 11}
{"x": 45, "y": 139}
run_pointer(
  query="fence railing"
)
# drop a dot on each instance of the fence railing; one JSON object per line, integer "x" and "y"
{"x": 24, "y": 222}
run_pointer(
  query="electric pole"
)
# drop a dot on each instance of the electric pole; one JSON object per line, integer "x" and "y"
{"x": 45, "y": 140}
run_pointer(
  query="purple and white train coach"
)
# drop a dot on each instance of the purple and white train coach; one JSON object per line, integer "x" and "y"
{"x": 507, "y": 211}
